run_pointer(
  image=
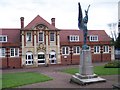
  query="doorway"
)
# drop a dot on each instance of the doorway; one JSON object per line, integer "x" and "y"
{"x": 29, "y": 58}
{"x": 52, "y": 57}
{"x": 41, "y": 58}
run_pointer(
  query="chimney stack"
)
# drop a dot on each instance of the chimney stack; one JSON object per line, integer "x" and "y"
{"x": 53, "y": 21}
{"x": 22, "y": 22}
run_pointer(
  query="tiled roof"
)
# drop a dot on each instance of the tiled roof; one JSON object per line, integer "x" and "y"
{"x": 13, "y": 35}
{"x": 64, "y": 33}
{"x": 39, "y": 20}
{"x": 102, "y": 35}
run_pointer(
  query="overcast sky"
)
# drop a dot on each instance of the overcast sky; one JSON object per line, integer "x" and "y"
{"x": 101, "y": 12}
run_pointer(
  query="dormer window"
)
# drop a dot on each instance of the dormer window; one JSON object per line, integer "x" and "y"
{"x": 3, "y": 38}
{"x": 74, "y": 38}
{"x": 93, "y": 38}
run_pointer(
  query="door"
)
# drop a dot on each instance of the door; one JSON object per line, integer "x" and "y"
{"x": 41, "y": 58}
{"x": 29, "y": 58}
{"x": 52, "y": 57}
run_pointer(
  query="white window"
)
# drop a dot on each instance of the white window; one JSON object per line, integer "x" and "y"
{"x": 28, "y": 36}
{"x": 52, "y": 57}
{"x": 74, "y": 38}
{"x": 105, "y": 49}
{"x": 93, "y": 38}
{"x": 76, "y": 50}
{"x": 3, "y": 38}
{"x": 52, "y": 36}
{"x": 29, "y": 58}
{"x": 2, "y": 52}
{"x": 14, "y": 52}
{"x": 41, "y": 37}
{"x": 96, "y": 49}
{"x": 65, "y": 50}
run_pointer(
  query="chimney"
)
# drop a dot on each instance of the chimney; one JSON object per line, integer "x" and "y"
{"x": 22, "y": 22}
{"x": 53, "y": 21}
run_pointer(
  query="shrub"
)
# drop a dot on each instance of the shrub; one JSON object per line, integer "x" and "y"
{"x": 113, "y": 64}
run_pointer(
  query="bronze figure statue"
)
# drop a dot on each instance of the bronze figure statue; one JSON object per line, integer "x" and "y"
{"x": 82, "y": 24}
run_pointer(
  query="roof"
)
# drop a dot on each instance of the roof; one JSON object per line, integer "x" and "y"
{"x": 13, "y": 35}
{"x": 39, "y": 20}
{"x": 102, "y": 35}
{"x": 64, "y": 33}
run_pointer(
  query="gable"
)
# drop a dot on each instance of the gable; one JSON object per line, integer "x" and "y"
{"x": 39, "y": 21}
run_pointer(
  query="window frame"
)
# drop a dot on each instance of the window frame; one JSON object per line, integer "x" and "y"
{"x": 93, "y": 38}
{"x": 66, "y": 50}
{"x": 3, "y": 54}
{"x": 96, "y": 49}
{"x": 42, "y": 37}
{"x": 29, "y": 58}
{"x": 14, "y": 52}
{"x": 2, "y": 38}
{"x": 74, "y": 38}
{"x": 105, "y": 49}
{"x": 52, "y": 38}
{"x": 75, "y": 50}
{"x": 30, "y": 37}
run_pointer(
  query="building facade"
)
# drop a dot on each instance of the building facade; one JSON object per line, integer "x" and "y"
{"x": 41, "y": 43}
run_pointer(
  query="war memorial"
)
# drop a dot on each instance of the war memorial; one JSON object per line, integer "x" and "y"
{"x": 86, "y": 74}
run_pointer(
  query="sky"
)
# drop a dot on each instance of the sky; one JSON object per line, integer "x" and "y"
{"x": 101, "y": 13}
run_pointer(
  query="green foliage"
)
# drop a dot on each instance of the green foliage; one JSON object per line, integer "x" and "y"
{"x": 10, "y": 80}
{"x": 113, "y": 64}
{"x": 99, "y": 70}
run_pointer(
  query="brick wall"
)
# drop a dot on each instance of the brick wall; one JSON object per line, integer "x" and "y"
{"x": 66, "y": 60}
{"x": 10, "y": 62}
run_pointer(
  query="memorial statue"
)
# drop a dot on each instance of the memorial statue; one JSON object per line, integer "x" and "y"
{"x": 86, "y": 73}
{"x": 82, "y": 24}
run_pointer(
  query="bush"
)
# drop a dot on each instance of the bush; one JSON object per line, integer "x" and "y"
{"x": 113, "y": 64}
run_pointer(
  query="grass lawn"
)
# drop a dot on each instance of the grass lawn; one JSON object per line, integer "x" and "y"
{"x": 11, "y": 80}
{"x": 99, "y": 70}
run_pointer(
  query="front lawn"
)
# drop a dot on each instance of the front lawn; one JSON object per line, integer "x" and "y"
{"x": 10, "y": 80}
{"x": 99, "y": 70}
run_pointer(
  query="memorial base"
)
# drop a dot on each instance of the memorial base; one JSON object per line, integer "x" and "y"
{"x": 86, "y": 79}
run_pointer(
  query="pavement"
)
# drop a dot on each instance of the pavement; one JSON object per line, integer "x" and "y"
{"x": 61, "y": 80}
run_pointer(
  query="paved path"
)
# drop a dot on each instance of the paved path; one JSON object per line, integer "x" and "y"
{"x": 61, "y": 80}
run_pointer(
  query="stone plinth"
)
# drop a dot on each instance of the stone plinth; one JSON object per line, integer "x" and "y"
{"x": 86, "y": 67}
{"x": 86, "y": 74}
{"x": 86, "y": 79}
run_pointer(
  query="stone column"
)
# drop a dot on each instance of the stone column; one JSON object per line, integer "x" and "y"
{"x": 47, "y": 51}
{"x": 58, "y": 48}
{"x": 35, "y": 50}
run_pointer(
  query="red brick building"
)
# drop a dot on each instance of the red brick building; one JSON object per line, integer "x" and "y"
{"x": 41, "y": 43}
